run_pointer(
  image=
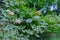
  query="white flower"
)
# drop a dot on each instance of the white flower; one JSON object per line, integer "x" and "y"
{"x": 44, "y": 10}
{"x": 29, "y": 20}
{"x": 18, "y": 21}
{"x": 51, "y": 8}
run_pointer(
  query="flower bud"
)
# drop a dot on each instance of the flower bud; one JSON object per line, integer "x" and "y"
{"x": 38, "y": 13}
{"x": 10, "y": 12}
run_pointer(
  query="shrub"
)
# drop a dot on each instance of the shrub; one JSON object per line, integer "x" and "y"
{"x": 28, "y": 19}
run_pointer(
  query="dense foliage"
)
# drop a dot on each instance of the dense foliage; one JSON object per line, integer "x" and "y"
{"x": 29, "y": 19}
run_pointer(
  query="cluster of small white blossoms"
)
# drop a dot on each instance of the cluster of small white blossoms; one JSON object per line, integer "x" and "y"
{"x": 53, "y": 7}
{"x": 44, "y": 9}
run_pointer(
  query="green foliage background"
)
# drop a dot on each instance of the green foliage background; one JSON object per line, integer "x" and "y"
{"x": 32, "y": 27}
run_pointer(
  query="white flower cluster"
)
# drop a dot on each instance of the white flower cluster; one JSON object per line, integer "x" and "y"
{"x": 53, "y": 7}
